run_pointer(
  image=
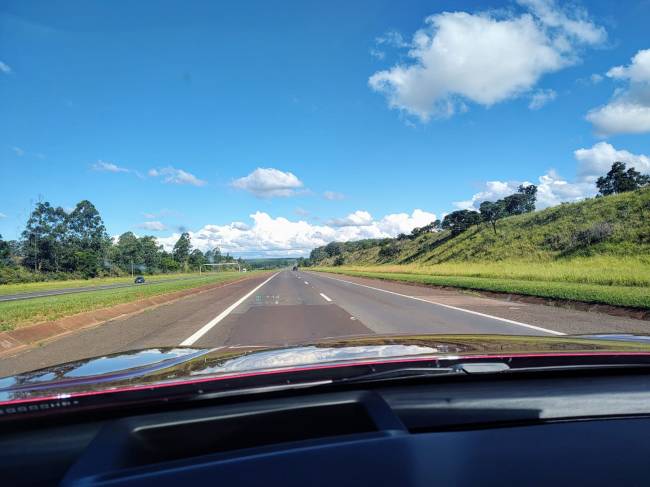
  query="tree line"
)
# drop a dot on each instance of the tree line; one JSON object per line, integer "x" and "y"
{"x": 63, "y": 243}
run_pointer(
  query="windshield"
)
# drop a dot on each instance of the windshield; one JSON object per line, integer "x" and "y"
{"x": 182, "y": 180}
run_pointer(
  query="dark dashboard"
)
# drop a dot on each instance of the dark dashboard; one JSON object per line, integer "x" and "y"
{"x": 568, "y": 429}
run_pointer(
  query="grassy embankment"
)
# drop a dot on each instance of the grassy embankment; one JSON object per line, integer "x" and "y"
{"x": 596, "y": 251}
{"x": 14, "y": 314}
{"x": 29, "y": 287}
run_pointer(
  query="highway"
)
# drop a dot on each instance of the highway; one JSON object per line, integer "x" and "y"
{"x": 288, "y": 307}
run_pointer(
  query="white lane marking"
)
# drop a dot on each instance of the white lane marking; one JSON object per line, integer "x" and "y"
{"x": 326, "y": 298}
{"x": 306, "y": 283}
{"x": 505, "y": 320}
{"x": 208, "y": 326}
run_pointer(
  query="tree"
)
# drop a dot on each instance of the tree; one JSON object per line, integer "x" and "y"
{"x": 44, "y": 238}
{"x": 523, "y": 201}
{"x": 150, "y": 252}
{"x": 460, "y": 220}
{"x": 182, "y": 249}
{"x": 5, "y": 252}
{"x": 128, "y": 251}
{"x": 493, "y": 211}
{"x": 618, "y": 180}
{"x": 340, "y": 260}
{"x": 333, "y": 248}
{"x": 87, "y": 238}
{"x": 196, "y": 259}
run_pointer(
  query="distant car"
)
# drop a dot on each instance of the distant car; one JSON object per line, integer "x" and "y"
{"x": 139, "y": 280}
{"x": 295, "y": 267}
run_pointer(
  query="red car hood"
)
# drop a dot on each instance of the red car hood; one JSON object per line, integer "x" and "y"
{"x": 167, "y": 370}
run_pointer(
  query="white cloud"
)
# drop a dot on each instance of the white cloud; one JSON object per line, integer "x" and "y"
{"x": 281, "y": 236}
{"x": 333, "y": 195}
{"x": 596, "y": 78}
{"x": 269, "y": 182}
{"x": 597, "y": 160}
{"x": 541, "y": 98}
{"x": 171, "y": 175}
{"x": 629, "y": 109}
{"x": 2, "y": 215}
{"x": 5, "y": 68}
{"x": 357, "y": 219}
{"x": 155, "y": 226}
{"x": 552, "y": 189}
{"x": 103, "y": 166}
{"x": 484, "y": 57}
{"x": 301, "y": 211}
{"x": 18, "y": 151}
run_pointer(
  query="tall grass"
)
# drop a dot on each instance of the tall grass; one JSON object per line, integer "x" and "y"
{"x": 606, "y": 270}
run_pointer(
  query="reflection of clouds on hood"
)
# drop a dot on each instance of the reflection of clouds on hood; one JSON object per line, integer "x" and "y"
{"x": 315, "y": 355}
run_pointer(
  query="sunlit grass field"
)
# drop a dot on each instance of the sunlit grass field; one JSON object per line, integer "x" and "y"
{"x": 28, "y": 287}
{"x": 617, "y": 281}
{"x": 604, "y": 270}
{"x": 15, "y": 314}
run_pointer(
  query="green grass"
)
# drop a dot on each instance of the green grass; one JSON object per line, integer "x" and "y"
{"x": 27, "y": 287}
{"x": 629, "y": 296}
{"x": 604, "y": 270}
{"x": 14, "y": 314}
{"x": 558, "y": 234}
{"x": 597, "y": 251}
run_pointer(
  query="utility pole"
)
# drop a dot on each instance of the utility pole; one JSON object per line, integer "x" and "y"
{"x": 131, "y": 268}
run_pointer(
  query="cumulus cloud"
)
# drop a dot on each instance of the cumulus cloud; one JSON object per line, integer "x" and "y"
{"x": 629, "y": 109}
{"x": 541, "y": 98}
{"x": 269, "y": 183}
{"x": 597, "y": 160}
{"x": 357, "y": 219}
{"x": 333, "y": 195}
{"x": 155, "y": 226}
{"x": 484, "y": 57}
{"x": 5, "y": 68}
{"x": 552, "y": 189}
{"x": 2, "y": 215}
{"x": 171, "y": 175}
{"x": 103, "y": 166}
{"x": 280, "y": 236}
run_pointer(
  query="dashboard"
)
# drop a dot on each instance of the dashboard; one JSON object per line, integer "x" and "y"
{"x": 565, "y": 429}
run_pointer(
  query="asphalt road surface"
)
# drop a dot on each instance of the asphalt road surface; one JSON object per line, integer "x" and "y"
{"x": 295, "y": 307}
{"x": 74, "y": 290}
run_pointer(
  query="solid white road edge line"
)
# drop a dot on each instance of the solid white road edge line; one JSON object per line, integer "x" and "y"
{"x": 208, "y": 326}
{"x": 505, "y": 320}
{"x": 325, "y": 297}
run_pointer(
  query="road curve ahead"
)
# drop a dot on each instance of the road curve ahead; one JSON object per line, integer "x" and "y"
{"x": 288, "y": 307}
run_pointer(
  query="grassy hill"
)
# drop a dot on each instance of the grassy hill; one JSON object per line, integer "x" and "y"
{"x": 598, "y": 242}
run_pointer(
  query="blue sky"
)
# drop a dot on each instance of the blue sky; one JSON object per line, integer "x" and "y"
{"x": 155, "y": 112}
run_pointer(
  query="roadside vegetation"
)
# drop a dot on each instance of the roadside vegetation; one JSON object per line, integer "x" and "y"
{"x": 61, "y": 245}
{"x": 596, "y": 250}
{"x": 28, "y": 287}
{"x": 15, "y": 314}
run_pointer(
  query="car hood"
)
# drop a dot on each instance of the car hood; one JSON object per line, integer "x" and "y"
{"x": 176, "y": 366}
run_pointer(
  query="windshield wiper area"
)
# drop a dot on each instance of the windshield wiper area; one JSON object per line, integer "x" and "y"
{"x": 423, "y": 372}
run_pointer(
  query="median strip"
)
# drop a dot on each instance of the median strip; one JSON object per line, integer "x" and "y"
{"x": 14, "y": 340}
